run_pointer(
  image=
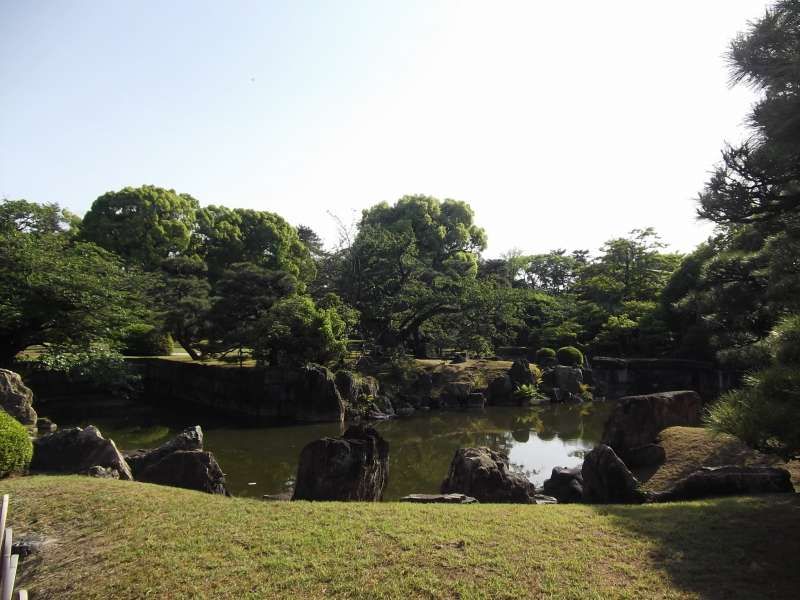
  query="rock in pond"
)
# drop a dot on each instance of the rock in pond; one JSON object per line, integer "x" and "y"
{"x": 565, "y": 485}
{"x": 500, "y": 390}
{"x": 520, "y": 373}
{"x": 439, "y": 499}
{"x": 485, "y": 475}
{"x": 352, "y": 467}
{"x": 189, "y": 469}
{"x": 190, "y": 438}
{"x": 729, "y": 481}
{"x": 606, "y": 479}
{"x": 16, "y": 398}
{"x": 637, "y": 420}
{"x": 76, "y": 450}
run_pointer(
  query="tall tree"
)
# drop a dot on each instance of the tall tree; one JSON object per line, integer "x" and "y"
{"x": 144, "y": 225}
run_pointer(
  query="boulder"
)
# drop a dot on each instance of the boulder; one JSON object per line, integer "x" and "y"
{"x": 439, "y": 499}
{"x": 189, "y": 469}
{"x": 352, "y": 467}
{"x": 16, "y": 398}
{"x": 485, "y": 475}
{"x": 316, "y": 396}
{"x": 637, "y": 420}
{"x": 568, "y": 379}
{"x": 190, "y": 438}
{"x": 729, "y": 480}
{"x": 45, "y": 425}
{"x": 606, "y": 479}
{"x": 500, "y": 390}
{"x": 565, "y": 485}
{"x": 520, "y": 373}
{"x": 76, "y": 450}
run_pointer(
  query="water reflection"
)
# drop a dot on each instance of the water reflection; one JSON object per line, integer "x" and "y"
{"x": 536, "y": 440}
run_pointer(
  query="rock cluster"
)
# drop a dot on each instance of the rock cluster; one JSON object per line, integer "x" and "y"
{"x": 76, "y": 450}
{"x": 606, "y": 479}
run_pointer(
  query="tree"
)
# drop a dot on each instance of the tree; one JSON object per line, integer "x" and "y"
{"x": 185, "y": 301}
{"x": 227, "y": 236}
{"x": 295, "y": 332}
{"x": 55, "y": 290}
{"x": 242, "y": 297}
{"x": 144, "y": 225}
{"x": 554, "y": 272}
{"x": 409, "y": 263}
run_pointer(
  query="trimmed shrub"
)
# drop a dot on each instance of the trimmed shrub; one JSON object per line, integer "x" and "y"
{"x": 570, "y": 356}
{"x": 142, "y": 339}
{"x": 16, "y": 449}
{"x": 545, "y": 356}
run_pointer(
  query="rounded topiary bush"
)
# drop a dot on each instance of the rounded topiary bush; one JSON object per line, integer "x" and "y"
{"x": 570, "y": 356}
{"x": 16, "y": 449}
{"x": 142, "y": 339}
{"x": 545, "y": 356}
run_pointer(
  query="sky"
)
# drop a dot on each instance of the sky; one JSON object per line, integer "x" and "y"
{"x": 563, "y": 124}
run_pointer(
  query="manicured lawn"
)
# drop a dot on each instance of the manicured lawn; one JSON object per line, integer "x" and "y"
{"x": 132, "y": 540}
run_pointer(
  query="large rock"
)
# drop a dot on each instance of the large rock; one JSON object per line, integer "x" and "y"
{"x": 500, "y": 390}
{"x": 637, "y": 420}
{"x": 76, "y": 450}
{"x": 352, "y": 467}
{"x": 190, "y": 438}
{"x": 520, "y": 373}
{"x": 16, "y": 398}
{"x": 316, "y": 395}
{"x": 727, "y": 481}
{"x": 189, "y": 469}
{"x": 484, "y": 474}
{"x": 565, "y": 485}
{"x": 606, "y": 479}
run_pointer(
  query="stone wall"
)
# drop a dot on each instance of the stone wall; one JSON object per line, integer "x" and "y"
{"x": 307, "y": 394}
{"x": 618, "y": 377}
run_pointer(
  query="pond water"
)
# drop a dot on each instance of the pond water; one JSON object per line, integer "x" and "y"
{"x": 262, "y": 459}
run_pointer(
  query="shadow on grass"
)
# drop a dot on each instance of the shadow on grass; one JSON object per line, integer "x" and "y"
{"x": 731, "y": 548}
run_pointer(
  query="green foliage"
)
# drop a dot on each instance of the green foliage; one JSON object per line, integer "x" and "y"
{"x": 16, "y": 449}
{"x": 98, "y": 365}
{"x": 294, "y": 332}
{"x": 185, "y": 301}
{"x": 570, "y": 356}
{"x": 56, "y": 290}
{"x": 144, "y": 225}
{"x": 525, "y": 392}
{"x": 142, "y": 339}
{"x": 766, "y": 412}
{"x": 545, "y": 356}
{"x": 228, "y": 236}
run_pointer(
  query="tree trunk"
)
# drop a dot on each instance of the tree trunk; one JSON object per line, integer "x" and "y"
{"x": 189, "y": 350}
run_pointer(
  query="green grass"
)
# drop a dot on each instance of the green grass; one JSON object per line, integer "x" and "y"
{"x": 131, "y": 540}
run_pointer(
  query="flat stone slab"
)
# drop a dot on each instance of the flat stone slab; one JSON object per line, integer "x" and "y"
{"x": 439, "y": 499}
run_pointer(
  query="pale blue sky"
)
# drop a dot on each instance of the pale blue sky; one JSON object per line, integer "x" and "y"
{"x": 562, "y": 123}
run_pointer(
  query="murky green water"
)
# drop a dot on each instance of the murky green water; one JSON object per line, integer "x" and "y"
{"x": 262, "y": 460}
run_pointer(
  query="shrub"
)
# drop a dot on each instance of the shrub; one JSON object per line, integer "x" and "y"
{"x": 142, "y": 339}
{"x": 785, "y": 341}
{"x": 570, "y": 356}
{"x": 16, "y": 449}
{"x": 545, "y": 356}
{"x": 526, "y": 393}
{"x": 98, "y": 366}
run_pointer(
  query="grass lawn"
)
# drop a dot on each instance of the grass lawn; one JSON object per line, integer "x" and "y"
{"x": 132, "y": 540}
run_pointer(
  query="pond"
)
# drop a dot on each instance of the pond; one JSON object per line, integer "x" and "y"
{"x": 262, "y": 459}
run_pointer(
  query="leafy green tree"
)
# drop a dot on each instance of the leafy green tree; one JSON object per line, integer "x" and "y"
{"x": 227, "y": 236}
{"x": 409, "y": 263}
{"x": 242, "y": 297}
{"x": 144, "y": 225}
{"x": 554, "y": 272}
{"x": 185, "y": 301}
{"x": 55, "y": 290}
{"x": 294, "y": 332}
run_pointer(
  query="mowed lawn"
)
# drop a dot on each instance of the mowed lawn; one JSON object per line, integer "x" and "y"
{"x": 132, "y": 540}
